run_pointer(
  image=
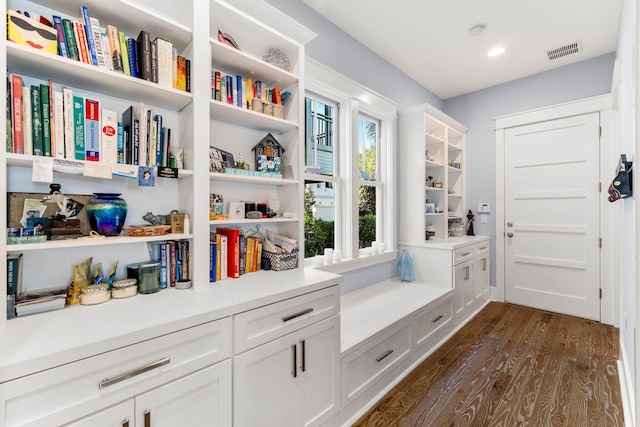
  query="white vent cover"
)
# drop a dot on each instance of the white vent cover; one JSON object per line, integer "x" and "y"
{"x": 565, "y": 50}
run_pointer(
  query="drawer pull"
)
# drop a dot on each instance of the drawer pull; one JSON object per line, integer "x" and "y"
{"x": 466, "y": 254}
{"x": 294, "y": 373}
{"x": 304, "y": 356}
{"x": 147, "y": 418}
{"x": 293, "y": 316}
{"x": 484, "y": 264}
{"x": 125, "y": 423}
{"x": 384, "y": 356}
{"x": 483, "y": 248}
{"x": 111, "y": 381}
{"x": 437, "y": 318}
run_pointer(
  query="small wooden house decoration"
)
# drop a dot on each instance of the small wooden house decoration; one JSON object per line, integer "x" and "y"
{"x": 268, "y": 154}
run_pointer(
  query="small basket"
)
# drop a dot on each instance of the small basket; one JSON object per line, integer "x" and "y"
{"x": 279, "y": 262}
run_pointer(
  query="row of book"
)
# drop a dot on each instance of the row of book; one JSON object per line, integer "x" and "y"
{"x": 44, "y": 121}
{"x": 240, "y": 91}
{"x": 85, "y": 40}
{"x": 233, "y": 254}
{"x": 173, "y": 256}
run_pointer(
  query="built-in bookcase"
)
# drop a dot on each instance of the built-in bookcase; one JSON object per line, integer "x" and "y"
{"x": 196, "y": 120}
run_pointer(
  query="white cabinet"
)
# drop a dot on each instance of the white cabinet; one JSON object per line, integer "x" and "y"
{"x": 481, "y": 270}
{"x": 292, "y": 379}
{"x": 431, "y": 174}
{"x": 182, "y": 374}
{"x": 463, "y": 285}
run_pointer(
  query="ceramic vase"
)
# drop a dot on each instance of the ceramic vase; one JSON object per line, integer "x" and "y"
{"x": 405, "y": 269}
{"x": 107, "y": 213}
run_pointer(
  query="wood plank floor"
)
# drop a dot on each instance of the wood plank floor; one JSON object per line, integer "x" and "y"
{"x": 512, "y": 366}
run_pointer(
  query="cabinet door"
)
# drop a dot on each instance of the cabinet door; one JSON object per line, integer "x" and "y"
{"x": 463, "y": 278}
{"x": 120, "y": 415}
{"x": 317, "y": 383}
{"x": 262, "y": 381}
{"x": 201, "y": 398}
{"x": 481, "y": 279}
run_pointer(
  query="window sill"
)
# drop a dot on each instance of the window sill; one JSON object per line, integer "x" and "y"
{"x": 353, "y": 264}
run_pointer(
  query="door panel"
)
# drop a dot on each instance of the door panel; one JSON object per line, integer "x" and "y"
{"x": 552, "y": 256}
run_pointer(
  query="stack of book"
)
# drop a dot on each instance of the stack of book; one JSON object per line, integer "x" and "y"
{"x": 233, "y": 254}
{"x": 173, "y": 256}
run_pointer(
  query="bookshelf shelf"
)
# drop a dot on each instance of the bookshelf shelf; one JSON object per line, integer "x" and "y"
{"x": 242, "y": 221}
{"x": 431, "y": 164}
{"x": 437, "y": 190}
{"x": 89, "y": 242}
{"x": 27, "y": 61}
{"x": 239, "y": 116}
{"x": 254, "y": 180}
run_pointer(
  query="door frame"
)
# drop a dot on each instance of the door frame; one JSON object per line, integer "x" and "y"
{"x": 610, "y": 213}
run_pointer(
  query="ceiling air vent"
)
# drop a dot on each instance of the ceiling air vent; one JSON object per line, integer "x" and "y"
{"x": 565, "y": 50}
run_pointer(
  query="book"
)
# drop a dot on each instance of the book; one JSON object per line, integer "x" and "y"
{"x": 166, "y": 146}
{"x": 58, "y": 119}
{"x": 217, "y": 86}
{"x": 98, "y": 42}
{"x": 153, "y": 48}
{"x": 172, "y": 263}
{"x": 9, "y": 115}
{"x": 224, "y": 256}
{"x": 68, "y": 119}
{"x": 233, "y": 250}
{"x": 187, "y": 64}
{"x": 132, "y": 52}
{"x": 144, "y": 55}
{"x": 114, "y": 45}
{"x": 213, "y": 261}
{"x": 14, "y": 274}
{"x": 52, "y": 130}
{"x": 127, "y": 123}
{"x": 92, "y": 130}
{"x": 218, "y": 258}
{"x": 36, "y": 122}
{"x": 229, "y": 85}
{"x": 46, "y": 120}
{"x": 121, "y": 141}
{"x": 81, "y": 39}
{"x": 152, "y": 130}
{"x": 237, "y": 92}
{"x": 109, "y": 137}
{"x": 164, "y": 55}
{"x": 70, "y": 38}
{"x": 78, "y": 126}
{"x": 16, "y": 108}
{"x": 91, "y": 45}
{"x": 27, "y": 129}
{"x": 164, "y": 265}
{"x": 63, "y": 50}
{"x": 106, "y": 46}
{"x": 182, "y": 73}
{"x": 140, "y": 117}
{"x": 243, "y": 254}
{"x": 174, "y": 68}
{"x": 124, "y": 50}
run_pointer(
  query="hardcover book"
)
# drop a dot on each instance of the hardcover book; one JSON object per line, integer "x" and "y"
{"x": 144, "y": 55}
{"x": 63, "y": 50}
{"x": 233, "y": 250}
{"x": 27, "y": 120}
{"x": 14, "y": 274}
{"x": 109, "y": 134}
{"x": 78, "y": 125}
{"x": 132, "y": 52}
{"x": 91, "y": 45}
{"x": 97, "y": 41}
{"x": 124, "y": 49}
{"x": 164, "y": 60}
{"x": 8, "y": 118}
{"x": 81, "y": 39}
{"x": 46, "y": 120}
{"x": 92, "y": 130}
{"x": 16, "y": 108}
{"x": 70, "y": 38}
{"x": 36, "y": 121}
{"x": 114, "y": 45}
{"x": 58, "y": 118}
{"x": 127, "y": 124}
{"x": 69, "y": 133}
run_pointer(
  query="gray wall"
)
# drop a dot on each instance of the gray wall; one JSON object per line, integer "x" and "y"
{"x": 477, "y": 111}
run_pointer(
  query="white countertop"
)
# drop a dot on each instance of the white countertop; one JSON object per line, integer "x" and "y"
{"x": 42, "y": 341}
{"x": 449, "y": 243}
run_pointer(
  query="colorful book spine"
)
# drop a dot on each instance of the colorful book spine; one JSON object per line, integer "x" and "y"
{"x": 124, "y": 49}
{"x": 187, "y": 63}
{"x": 233, "y": 250}
{"x": 81, "y": 38}
{"x": 70, "y": 38}
{"x": 52, "y": 130}
{"x": 238, "y": 96}
{"x": 27, "y": 129}
{"x": 36, "y": 121}
{"x": 46, "y": 120}
{"x": 92, "y": 130}
{"x": 144, "y": 55}
{"x": 58, "y": 118}
{"x": 91, "y": 45}
{"x": 218, "y": 258}
{"x": 164, "y": 265}
{"x": 127, "y": 124}
{"x": 132, "y": 52}
{"x": 217, "y": 93}
{"x": 16, "y": 108}
{"x": 63, "y": 50}
{"x": 213, "y": 261}
{"x": 229, "y": 80}
{"x": 69, "y": 134}
{"x": 224, "y": 255}
{"x": 97, "y": 41}
{"x": 140, "y": 114}
{"x": 121, "y": 144}
{"x": 114, "y": 45}
{"x": 8, "y": 118}
{"x": 78, "y": 124}
{"x": 182, "y": 73}
{"x": 14, "y": 265}
{"x": 109, "y": 137}
{"x": 158, "y": 138}
{"x": 172, "y": 263}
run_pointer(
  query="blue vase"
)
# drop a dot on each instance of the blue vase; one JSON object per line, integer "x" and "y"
{"x": 405, "y": 269}
{"x": 107, "y": 213}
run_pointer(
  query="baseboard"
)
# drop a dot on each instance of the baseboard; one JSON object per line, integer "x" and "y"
{"x": 627, "y": 392}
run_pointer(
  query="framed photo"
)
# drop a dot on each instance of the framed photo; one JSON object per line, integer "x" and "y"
{"x": 220, "y": 159}
{"x": 430, "y": 207}
{"x": 236, "y": 210}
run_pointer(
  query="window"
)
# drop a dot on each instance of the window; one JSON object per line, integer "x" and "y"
{"x": 350, "y": 167}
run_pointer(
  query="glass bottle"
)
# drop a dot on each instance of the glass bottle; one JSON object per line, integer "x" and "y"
{"x": 405, "y": 269}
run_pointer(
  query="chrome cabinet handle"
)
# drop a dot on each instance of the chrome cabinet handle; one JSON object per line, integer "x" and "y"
{"x": 111, "y": 381}
{"x": 437, "y": 318}
{"x": 294, "y": 373}
{"x": 304, "y": 356}
{"x": 484, "y": 264}
{"x": 125, "y": 423}
{"x": 293, "y": 316}
{"x": 147, "y": 418}
{"x": 384, "y": 356}
{"x": 466, "y": 254}
{"x": 509, "y": 234}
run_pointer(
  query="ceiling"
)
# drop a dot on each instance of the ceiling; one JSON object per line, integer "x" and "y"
{"x": 429, "y": 40}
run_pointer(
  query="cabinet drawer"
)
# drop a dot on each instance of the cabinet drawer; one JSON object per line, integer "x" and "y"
{"x": 462, "y": 254}
{"x": 272, "y": 321}
{"x": 69, "y": 392}
{"x": 430, "y": 319}
{"x": 361, "y": 369}
{"x": 481, "y": 248}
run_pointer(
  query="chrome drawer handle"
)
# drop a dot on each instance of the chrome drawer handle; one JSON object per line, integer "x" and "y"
{"x": 294, "y": 351}
{"x": 293, "y": 316}
{"x": 466, "y": 254}
{"x": 437, "y": 318}
{"x": 111, "y": 381}
{"x": 384, "y": 356}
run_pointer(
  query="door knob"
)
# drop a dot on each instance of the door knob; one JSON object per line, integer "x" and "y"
{"x": 509, "y": 224}
{"x": 509, "y": 234}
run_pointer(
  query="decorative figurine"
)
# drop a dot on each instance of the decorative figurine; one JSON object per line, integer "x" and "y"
{"x": 470, "y": 217}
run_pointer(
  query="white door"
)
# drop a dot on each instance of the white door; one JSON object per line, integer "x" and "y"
{"x": 552, "y": 256}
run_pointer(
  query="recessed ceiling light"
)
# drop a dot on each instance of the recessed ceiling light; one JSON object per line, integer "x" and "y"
{"x": 496, "y": 51}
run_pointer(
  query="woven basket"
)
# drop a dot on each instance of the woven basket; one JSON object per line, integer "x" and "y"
{"x": 279, "y": 262}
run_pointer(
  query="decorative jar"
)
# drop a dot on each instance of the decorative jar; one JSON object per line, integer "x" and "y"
{"x": 405, "y": 269}
{"x": 107, "y": 213}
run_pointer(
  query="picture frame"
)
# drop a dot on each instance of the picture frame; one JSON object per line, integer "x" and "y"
{"x": 430, "y": 207}
{"x": 220, "y": 159}
{"x": 236, "y": 210}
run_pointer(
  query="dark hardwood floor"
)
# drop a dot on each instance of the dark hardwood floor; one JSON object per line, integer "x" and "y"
{"x": 512, "y": 366}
